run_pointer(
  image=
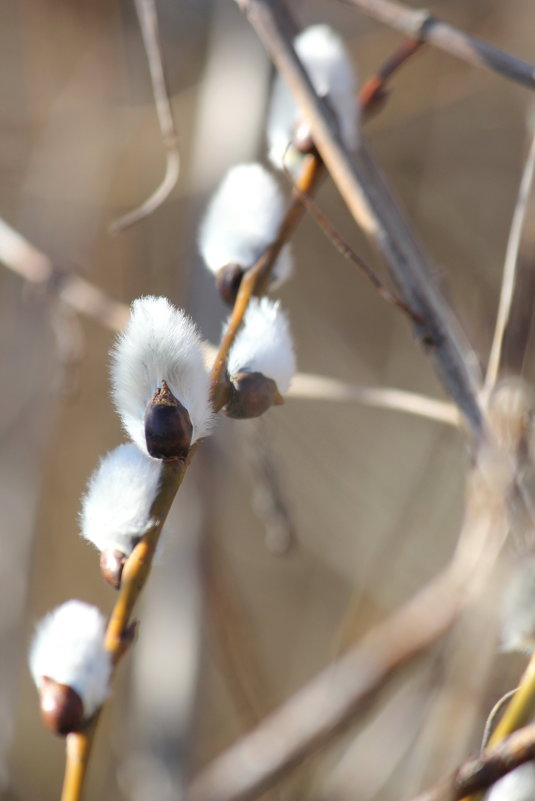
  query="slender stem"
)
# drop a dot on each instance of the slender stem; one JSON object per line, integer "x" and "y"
{"x": 368, "y": 197}
{"x": 148, "y": 21}
{"x": 510, "y": 267}
{"x": 422, "y": 25}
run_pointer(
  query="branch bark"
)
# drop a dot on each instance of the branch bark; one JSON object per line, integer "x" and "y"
{"x": 420, "y": 24}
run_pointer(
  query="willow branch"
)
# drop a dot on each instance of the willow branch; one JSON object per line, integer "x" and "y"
{"x": 367, "y": 196}
{"x": 510, "y": 265}
{"x": 148, "y": 22}
{"x": 479, "y": 773}
{"x": 421, "y": 24}
{"x": 256, "y": 279}
{"x": 118, "y": 633}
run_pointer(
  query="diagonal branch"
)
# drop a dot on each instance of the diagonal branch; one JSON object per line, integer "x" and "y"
{"x": 422, "y": 25}
{"x": 367, "y": 196}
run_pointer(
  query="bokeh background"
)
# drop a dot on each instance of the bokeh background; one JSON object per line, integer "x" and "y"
{"x": 368, "y": 501}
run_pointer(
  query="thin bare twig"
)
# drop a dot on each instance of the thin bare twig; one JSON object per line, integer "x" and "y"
{"x": 309, "y": 386}
{"x": 363, "y": 187}
{"x": 479, "y": 773}
{"x": 148, "y": 22}
{"x": 510, "y": 265}
{"x": 420, "y": 24}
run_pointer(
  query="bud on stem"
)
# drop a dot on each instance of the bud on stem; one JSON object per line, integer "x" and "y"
{"x": 168, "y": 428}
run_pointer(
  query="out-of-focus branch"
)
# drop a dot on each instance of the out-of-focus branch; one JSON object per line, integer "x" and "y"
{"x": 422, "y": 25}
{"x": 22, "y": 257}
{"x": 510, "y": 265}
{"x": 148, "y": 22}
{"x": 479, "y": 773}
{"x": 363, "y": 187}
{"x": 344, "y": 690}
{"x": 309, "y": 386}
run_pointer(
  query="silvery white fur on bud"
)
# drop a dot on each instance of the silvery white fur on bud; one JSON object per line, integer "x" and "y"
{"x": 116, "y": 508}
{"x": 264, "y": 344}
{"x": 333, "y": 77}
{"x": 159, "y": 348}
{"x": 518, "y": 785}
{"x": 518, "y": 610}
{"x": 242, "y": 220}
{"x": 68, "y": 649}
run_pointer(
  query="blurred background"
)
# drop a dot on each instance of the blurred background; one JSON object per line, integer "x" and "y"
{"x": 261, "y": 580}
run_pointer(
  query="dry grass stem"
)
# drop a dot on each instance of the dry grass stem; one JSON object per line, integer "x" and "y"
{"x": 364, "y": 189}
{"x": 148, "y": 21}
{"x": 510, "y": 266}
{"x": 420, "y": 24}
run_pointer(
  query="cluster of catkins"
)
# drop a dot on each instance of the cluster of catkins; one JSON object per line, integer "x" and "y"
{"x": 161, "y": 388}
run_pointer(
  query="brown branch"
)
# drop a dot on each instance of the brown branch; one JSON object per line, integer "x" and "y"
{"x": 363, "y": 187}
{"x": 148, "y": 22}
{"x": 422, "y": 25}
{"x": 479, "y": 773}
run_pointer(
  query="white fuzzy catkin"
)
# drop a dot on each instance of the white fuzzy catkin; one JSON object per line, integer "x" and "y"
{"x": 518, "y": 785}
{"x": 159, "y": 343}
{"x": 518, "y": 609}
{"x": 69, "y": 648}
{"x": 116, "y": 508}
{"x": 264, "y": 344}
{"x": 242, "y": 219}
{"x": 332, "y": 75}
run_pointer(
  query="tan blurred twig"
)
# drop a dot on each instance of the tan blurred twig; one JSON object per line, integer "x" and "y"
{"x": 19, "y": 255}
{"x": 309, "y": 386}
{"x": 421, "y": 24}
{"x": 481, "y": 772}
{"x": 148, "y": 22}
{"x": 510, "y": 265}
{"x": 363, "y": 187}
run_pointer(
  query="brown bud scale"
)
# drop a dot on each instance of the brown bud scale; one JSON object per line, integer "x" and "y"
{"x": 61, "y": 707}
{"x": 252, "y": 394}
{"x": 168, "y": 427}
{"x": 228, "y": 281}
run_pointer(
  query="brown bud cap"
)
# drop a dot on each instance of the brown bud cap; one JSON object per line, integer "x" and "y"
{"x": 111, "y": 566}
{"x": 252, "y": 395}
{"x": 228, "y": 281}
{"x": 168, "y": 428}
{"x": 61, "y": 707}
